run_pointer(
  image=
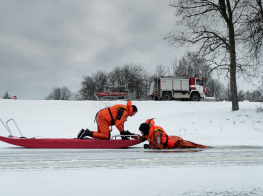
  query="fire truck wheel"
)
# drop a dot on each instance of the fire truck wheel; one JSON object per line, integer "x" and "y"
{"x": 167, "y": 97}
{"x": 195, "y": 97}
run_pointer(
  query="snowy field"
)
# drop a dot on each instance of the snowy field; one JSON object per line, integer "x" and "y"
{"x": 234, "y": 165}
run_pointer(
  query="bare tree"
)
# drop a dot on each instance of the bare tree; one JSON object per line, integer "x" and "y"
{"x": 193, "y": 65}
{"x": 117, "y": 81}
{"x": 6, "y": 96}
{"x": 253, "y": 38}
{"x": 214, "y": 25}
{"x": 172, "y": 68}
{"x": 225, "y": 95}
{"x": 132, "y": 76}
{"x": 59, "y": 94}
{"x": 241, "y": 95}
{"x": 254, "y": 26}
{"x": 256, "y": 96}
{"x": 87, "y": 89}
{"x": 65, "y": 93}
{"x": 129, "y": 77}
{"x": 160, "y": 70}
{"x": 90, "y": 85}
{"x": 215, "y": 89}
{"x": 101, "y": 80}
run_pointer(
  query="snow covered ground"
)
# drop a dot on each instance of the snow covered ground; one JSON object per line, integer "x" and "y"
{"x": 233, "y": 167}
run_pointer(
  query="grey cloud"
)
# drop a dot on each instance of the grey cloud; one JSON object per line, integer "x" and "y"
{"x": 44, "y": 44}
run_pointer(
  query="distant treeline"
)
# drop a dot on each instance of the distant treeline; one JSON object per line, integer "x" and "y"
{"x": 136, "y": 79}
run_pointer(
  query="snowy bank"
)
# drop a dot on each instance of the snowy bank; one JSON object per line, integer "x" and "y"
{"x": 208, "y": 123}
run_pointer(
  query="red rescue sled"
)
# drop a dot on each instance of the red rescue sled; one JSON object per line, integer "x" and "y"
{"x": 112, "y": 94}
{"x": 70, "y": 143}
{"x": 67, "y": 143}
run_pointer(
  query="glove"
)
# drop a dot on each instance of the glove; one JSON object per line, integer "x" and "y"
{"x": 143, "y": 138}
{"x": 126, "y": 133}
{"x": 146, "y": 146}
{"x": 125, "y": 138}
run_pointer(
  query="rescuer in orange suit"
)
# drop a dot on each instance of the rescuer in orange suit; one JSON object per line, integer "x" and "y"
{"x": 107, "y": 117}
{"x": 158, "y": 139}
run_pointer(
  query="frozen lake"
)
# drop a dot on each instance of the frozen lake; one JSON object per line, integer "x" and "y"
{"x": 16, "y": 158}
{"x": 222, "y": 170}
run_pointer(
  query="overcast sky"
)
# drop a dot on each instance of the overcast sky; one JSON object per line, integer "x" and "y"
{"x": 46, "y": 44}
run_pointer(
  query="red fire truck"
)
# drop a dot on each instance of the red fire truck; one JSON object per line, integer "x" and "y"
{"x": 169, "y": 88}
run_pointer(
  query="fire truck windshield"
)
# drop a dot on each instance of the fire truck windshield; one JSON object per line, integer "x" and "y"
{"x": 199, "y": 82}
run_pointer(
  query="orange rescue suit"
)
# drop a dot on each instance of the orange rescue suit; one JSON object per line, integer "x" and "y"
{"x": 105, "y": 120}
{"x": 158, "y": 139}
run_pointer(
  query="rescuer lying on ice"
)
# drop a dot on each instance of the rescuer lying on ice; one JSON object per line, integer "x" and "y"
{"x": 158, "y": 139}
{"x": 114, "y": 115}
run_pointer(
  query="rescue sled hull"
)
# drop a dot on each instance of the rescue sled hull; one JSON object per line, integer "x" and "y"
{"x": 69, "y": 143}
{"x": 112, "y": 94}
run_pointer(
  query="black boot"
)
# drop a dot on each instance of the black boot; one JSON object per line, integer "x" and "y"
{"x": 80, "y": 133}
{"x": 84, "y": 133}
{"x": 109, "y": 136}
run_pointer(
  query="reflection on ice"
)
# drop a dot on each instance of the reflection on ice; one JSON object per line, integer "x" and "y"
{"x": 173, "y": 151}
